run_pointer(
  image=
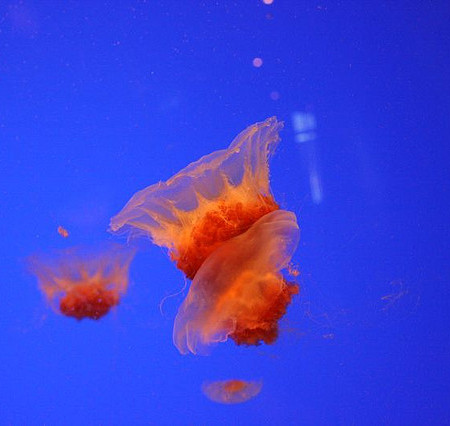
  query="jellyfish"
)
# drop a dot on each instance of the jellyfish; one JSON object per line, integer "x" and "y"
{"x": 240, "y": 291}
{"x": 83, "y": 283}
{"x": 222, "y": 226}
{"x": 232, "y": 391}
{"x": 207, "y": 203}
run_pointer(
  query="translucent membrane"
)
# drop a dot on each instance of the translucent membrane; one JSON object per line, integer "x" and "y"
{"x": 239, "y": 291}
{"x": 232, "y": 391}
{"x": 210, "y": 201}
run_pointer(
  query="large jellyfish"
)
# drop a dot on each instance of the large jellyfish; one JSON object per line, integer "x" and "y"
{"x": 208, "y": 202}
{"x": 83, "y": 283}
{"x": 239, "y": 291}
{"x": 223, "y": 228}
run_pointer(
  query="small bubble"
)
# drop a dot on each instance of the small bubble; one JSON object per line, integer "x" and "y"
{"x": 257, "y": 62}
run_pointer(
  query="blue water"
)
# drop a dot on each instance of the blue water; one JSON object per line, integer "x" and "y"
{"x": 100, "y": 99}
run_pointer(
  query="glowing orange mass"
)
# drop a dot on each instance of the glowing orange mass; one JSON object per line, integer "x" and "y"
{"x": 83, "y": 283}
{"x": 232, "y": 391}
{"x": 225, "y": 231}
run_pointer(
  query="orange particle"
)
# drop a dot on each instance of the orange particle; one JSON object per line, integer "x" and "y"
{"x": 232, "y": 391}
{"x": 83, "y": 283}
{"x": 293, "y": 270}
{"x": 63, "y": 232}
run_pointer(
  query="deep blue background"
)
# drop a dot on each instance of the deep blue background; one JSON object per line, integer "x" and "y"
{"x": 100, "y": 99}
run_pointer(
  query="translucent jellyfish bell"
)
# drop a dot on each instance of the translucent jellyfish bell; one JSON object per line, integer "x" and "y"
{"x": 239, "y": 291}
{"x": 83, "y": 283}
{"x": 210, "y": 201}
{"x": 234, "y": 391}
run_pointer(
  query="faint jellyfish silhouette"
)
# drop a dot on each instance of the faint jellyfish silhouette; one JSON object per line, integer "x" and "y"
{"x": 83, "y": 283}
{"x": 234, "y": 391}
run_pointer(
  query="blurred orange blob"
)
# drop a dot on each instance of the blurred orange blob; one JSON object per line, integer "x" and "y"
{"x": 209, "y": 202}
{"x": 232, "y": 391}
{"x": 63, "y": 232}
{"x": 240, "y": 292}
{"x": 83, "y": 283}
{"x": 90, "y": 300}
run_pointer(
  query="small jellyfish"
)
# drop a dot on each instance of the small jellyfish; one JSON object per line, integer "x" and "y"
{"x": 225, "y": 231}
{"x": 210, "y": 201}
{"x": 232, "y": 391}
{"x": 83, "y": 283}
{"x": 240, "y": 292}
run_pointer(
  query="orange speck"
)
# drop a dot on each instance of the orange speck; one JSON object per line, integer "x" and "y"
{"x": 293, "y": 270}
{"x": 63, "y": 232}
